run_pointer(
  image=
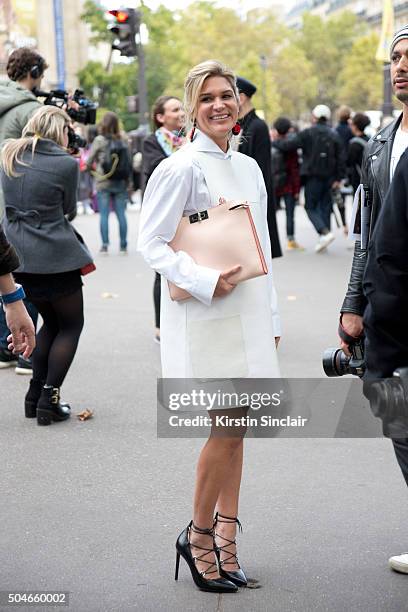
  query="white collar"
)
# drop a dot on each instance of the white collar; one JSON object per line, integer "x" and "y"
{"x": 202, "y": 142}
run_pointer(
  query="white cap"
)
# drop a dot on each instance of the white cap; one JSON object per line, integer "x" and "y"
{"x": 321, "y": 111}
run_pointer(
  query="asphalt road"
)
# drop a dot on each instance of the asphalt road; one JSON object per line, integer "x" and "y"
{"x": 94, "y": 508}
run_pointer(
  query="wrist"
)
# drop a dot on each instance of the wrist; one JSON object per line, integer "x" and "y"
{"x": 14, "y": 296}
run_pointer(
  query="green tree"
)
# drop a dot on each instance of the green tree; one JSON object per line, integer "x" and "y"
{"x": 121, "y": 82}
{"x": 326, "y": 44}
{"x": 361, "y": 80}
{"x": 94, "y": 16}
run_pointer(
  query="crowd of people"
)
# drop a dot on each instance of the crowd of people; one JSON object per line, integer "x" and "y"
{"x": 213, "y": 147}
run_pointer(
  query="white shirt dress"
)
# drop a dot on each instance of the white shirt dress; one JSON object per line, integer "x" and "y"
{"x": 209, "y": 337}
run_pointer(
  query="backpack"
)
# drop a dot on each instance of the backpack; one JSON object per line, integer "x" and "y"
{"x": 323, "y": 155}
{"x": 116, "y": 163}
{"x": 279, "y": 172}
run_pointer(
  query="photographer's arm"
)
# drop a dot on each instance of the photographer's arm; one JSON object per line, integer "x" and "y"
{"x": 355, "y": 302}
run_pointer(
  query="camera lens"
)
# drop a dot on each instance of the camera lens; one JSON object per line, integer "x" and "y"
{"x": 335, "y": 362}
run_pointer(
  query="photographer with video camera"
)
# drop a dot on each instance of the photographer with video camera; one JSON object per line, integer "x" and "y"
{"x": 25, "y": 69}
{"x": 376, "y": 300}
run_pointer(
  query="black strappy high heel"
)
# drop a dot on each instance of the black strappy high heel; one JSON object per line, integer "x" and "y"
{"x": 236, "y": 576}
{"x": 183, "y": 547}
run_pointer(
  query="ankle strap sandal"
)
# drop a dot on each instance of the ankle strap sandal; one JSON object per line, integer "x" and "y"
{"x": 233, "y": 557}
{"x": 211, "y": 564}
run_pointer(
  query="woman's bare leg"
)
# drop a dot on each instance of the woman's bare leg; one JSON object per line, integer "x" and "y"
{"x": 218, "y": 478}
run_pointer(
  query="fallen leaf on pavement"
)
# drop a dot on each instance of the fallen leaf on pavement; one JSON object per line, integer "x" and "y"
{"x": 85, "y": 415}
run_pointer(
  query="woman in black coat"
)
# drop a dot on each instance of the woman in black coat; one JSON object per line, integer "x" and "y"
{"x": 167, "y": 115}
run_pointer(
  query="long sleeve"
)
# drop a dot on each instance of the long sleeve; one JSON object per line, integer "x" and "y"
{"x": 167, "y": 194}
{"x": 8, "y": 257}
{"x": 355, "y": 300}
{"x": 266, "y": 247}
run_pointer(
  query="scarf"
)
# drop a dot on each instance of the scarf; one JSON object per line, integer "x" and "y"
{"x": 169, "y": 141}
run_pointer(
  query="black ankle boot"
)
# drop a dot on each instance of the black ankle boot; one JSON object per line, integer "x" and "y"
{"x": 237, "y": 576}
{"x": 32, "y": 397}
{"x": 183, "y": 547}
{"x": 49, "y": 407}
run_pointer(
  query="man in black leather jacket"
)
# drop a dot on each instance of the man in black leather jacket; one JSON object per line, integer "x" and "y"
{"x": 381, "y": 156}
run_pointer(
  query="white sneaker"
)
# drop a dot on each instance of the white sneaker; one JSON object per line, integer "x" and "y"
{"x": 324, "y": 241}
{"x": 399, "y": 563}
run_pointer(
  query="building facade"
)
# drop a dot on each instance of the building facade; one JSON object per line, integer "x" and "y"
{"x": 369, "y": 11}
{"x": 54, "y": 28}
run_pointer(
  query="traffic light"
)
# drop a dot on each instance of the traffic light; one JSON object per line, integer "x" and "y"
{"x": 124, "y": 28}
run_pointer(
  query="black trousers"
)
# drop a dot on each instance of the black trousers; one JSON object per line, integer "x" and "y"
{"x": 401, "y": 451}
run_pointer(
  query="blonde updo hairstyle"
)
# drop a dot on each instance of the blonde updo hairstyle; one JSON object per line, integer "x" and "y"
{"x": 47, "y": 122}
{"x": 194, "y": 83}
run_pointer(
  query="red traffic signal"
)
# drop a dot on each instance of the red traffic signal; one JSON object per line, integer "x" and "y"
{"x": 121, "y": 16}
{"x": 124, "y": 28}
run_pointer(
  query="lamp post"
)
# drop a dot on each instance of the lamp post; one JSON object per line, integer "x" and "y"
{"x": 263, "y": 64}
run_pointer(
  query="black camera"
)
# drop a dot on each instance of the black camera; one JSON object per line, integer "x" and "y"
{"x": 389, "y": 402}
{"x": 75, "y": 141}
{"x": 337, "y": 363}
{"x": 58, "y": 97}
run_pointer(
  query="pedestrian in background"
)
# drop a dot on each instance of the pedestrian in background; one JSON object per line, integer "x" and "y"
{"x": 343, "y": 127}
{"x": 167, "y": 116}
{"x": 113, "y": 170}
{"x": 86, "y": 184}
{"x": 356, "y": 148}
{"x": 322, "y": 169}
{"x": 224, "y": 328}
{"x": 285, "y": 167}
{"x": 40, "y": 180}
{"x": 25, "y": 69}
{"x": 254, "y": 140}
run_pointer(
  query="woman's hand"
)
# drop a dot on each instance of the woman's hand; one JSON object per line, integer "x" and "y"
{"x": 224, "y": 286}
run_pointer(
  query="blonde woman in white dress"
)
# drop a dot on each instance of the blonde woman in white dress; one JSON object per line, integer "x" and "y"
{"x": 225, "y": 330}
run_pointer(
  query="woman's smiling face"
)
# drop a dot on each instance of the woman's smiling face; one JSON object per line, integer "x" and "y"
{"x": 217, "y": 110}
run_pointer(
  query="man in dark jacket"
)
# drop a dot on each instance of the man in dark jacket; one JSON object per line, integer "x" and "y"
{"x": 343, "y": 127}
{"x": 20, "y": 325}
{"x": 381, "y": 157}
{"x": 321, "y": 171}
{"x": 256, "y": 143}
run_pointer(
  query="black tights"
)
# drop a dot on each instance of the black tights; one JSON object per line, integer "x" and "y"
{"x": 58, "y": 337}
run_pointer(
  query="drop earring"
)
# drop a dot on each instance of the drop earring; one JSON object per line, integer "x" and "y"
{"x": 193, "y": 131}
{"x": 236, "y": 129}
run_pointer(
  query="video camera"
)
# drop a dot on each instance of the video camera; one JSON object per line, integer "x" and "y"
{"x": 389, "y": 402}
{"x": 58, "y": 97}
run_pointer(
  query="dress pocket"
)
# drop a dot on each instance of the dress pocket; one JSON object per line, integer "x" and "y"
{"x": 217, "y": 348}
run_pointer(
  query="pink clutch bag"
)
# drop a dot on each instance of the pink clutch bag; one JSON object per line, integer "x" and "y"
{"x": 220, "y": 237}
